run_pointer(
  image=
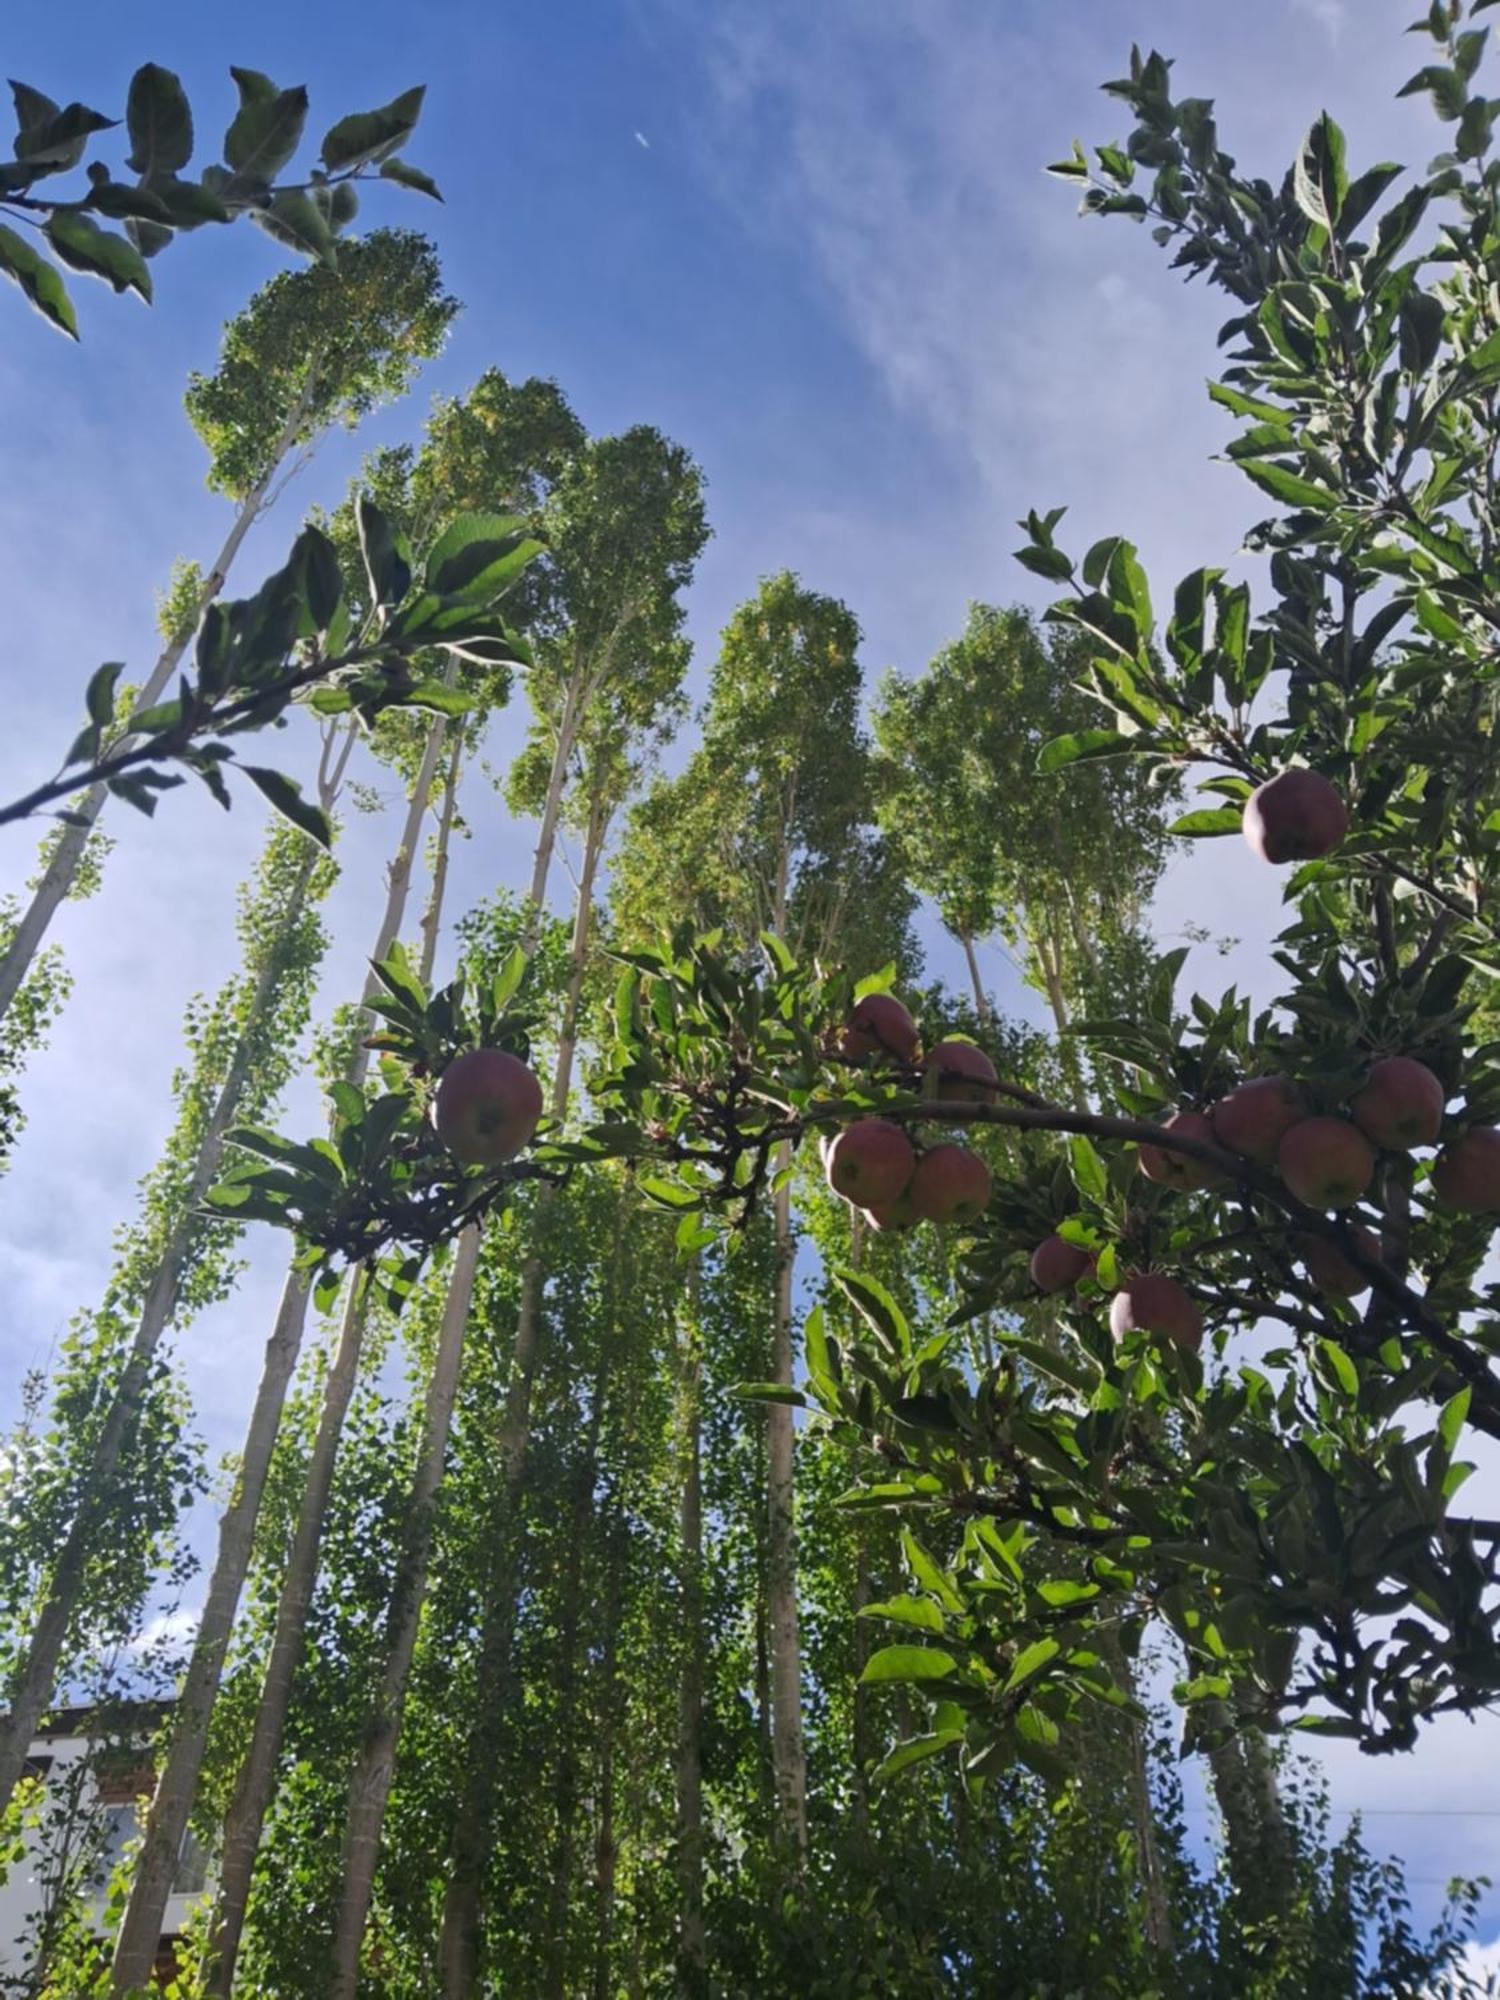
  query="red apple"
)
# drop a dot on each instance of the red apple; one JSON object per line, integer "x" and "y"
{"x": 1466, "y": 1174}
{"x": 951, "y": 1184}
{"x": 1328, "y": 1267}
{"x": 1151, "y": 1302}
{"x": 486, "y": 1107}
{"x": 1326, "y": 1162}
{"x": 870, "y": 1161}
{"x": 959, "y": 1072}
{"x": 890, "y": 1215}
{"x": 1399, "y": 1105}
{"x": 880, "y": 1024}
{"x": 1297, "y": 816}
{"x": 1160, "y": 1163}
{"x": 1057, "y": 1265}
{"x": 1253, "y": 1117}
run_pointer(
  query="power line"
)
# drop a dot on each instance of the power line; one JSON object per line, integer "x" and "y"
{"x": 1396, "y": 1812}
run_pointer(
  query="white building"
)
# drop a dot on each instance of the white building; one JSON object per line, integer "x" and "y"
{"x": 97, "y": 1780}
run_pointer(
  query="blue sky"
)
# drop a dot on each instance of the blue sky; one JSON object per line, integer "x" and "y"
{"x": 811, "y": 242}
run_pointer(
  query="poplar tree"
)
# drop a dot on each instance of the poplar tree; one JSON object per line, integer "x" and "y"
{"x": 171, "y": 1263}
{"x": 314, "y": 349}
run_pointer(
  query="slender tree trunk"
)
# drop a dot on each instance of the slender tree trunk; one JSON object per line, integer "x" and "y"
{"x": 256, "y": 1780}
{"x": 38, "y": 1675}
{"x": 788, "y": 1756}
{"x": 606, "y": 1853}
{"x": 692, "y": 1939}
{"x": 257, "y": 1774}
{"x": 370, "y": 1786}
{"x": 458, "y": 1946}
{"x": 862, "y": 1746}
{"x": 557, "y": 784}
{"x": 1262, "y": 1854}
{"x": 982, "y": 1005}
{"x": 62, "y": 870}
{"x": 787, "y": 1751}
{"x": 565, "y": 1792}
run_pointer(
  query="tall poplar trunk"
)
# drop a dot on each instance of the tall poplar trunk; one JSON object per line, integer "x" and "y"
{"x": 458, "y": 1945}
{"x": 788, "y": 1755}
{"x": 374, "y": 1766}
{"x": 565, "y": 1790}
{"x": 692, "y": 1939}
{"x": 1262, "y": 1853}
{"x": 37, "y": 1676}
{"x": 982, "y": 1005}
{"x": 606, "y": 1853}
{"x": 256, "y": 1779}
{"x": 62, "y": 870}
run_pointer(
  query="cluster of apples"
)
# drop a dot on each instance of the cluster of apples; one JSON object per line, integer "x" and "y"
{"x": 873, "y": 1163}
{"x": 486, "y": 1107}
{"x": 1326, "y": 1161}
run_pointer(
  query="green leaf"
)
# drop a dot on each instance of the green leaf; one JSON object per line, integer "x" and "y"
{"x": 1452, "y": 1419}
{"x": 387, "y": 558}
{"x": 508, "y": 979}
{"x": 920, "y": 1611}
{"x": 1062, "y": 1593}
{"x": 479, "y": 556}
{"x": 913, "y": 1751}
{"x": 930, "y": 1573}
{"x": 100, "y": 696}
{"x": 1208, "y": 824}
{"x": 285, "y": 794}
{"x": 1343, "y": 1369}
{"x": 371, "y": 135}
{"x": 1085, "y": 744}
{"x": 38, "y": 280}
{"x": 57, "y": 142}
{"x": 769, "y": 1392}
{"x": 295, "y": 220}
{"x": 1284, "y": 484}
{"x": 1089, "y": 1172}
{"x": 266, "y": 130}
{"x": 83, "y": 246}
{"x": 1030, "y": 1660}
{"x": 190, "y": 203}
{"x": 907, "y": 1663}
{"x": 408, "y": 176}
{"x": 876, "y": 1306}
{"x": 159, "y": 121}
{"x": 1321, "y": 179}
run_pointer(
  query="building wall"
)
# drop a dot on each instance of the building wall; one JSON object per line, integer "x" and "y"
{"x": 87, "y": 1802}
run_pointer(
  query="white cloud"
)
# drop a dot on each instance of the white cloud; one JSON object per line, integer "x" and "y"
{"x": 1332, "y": 16}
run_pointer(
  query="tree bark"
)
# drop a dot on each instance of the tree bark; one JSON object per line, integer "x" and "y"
{"x": 692, "y": 1939}
{"x": 605, "y": 1851}
{"x": 371, "y": 1783}
{"x": 458, "y": 1947}
{"x": 788, "y": 1755}
{"x": 32, "y": 1690}
{"x": 257, "y": 1774}
{"x": 1262, "y": 1854}
{"x": 565, "y": 1791}
{"x": 982, "y": 1005}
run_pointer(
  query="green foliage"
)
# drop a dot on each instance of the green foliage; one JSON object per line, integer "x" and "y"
{"x": 296, "y": 637}
{"x": 316, "y": 348}
{"x": 1063, "y": 870}
{"x": 159, "y": 204}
